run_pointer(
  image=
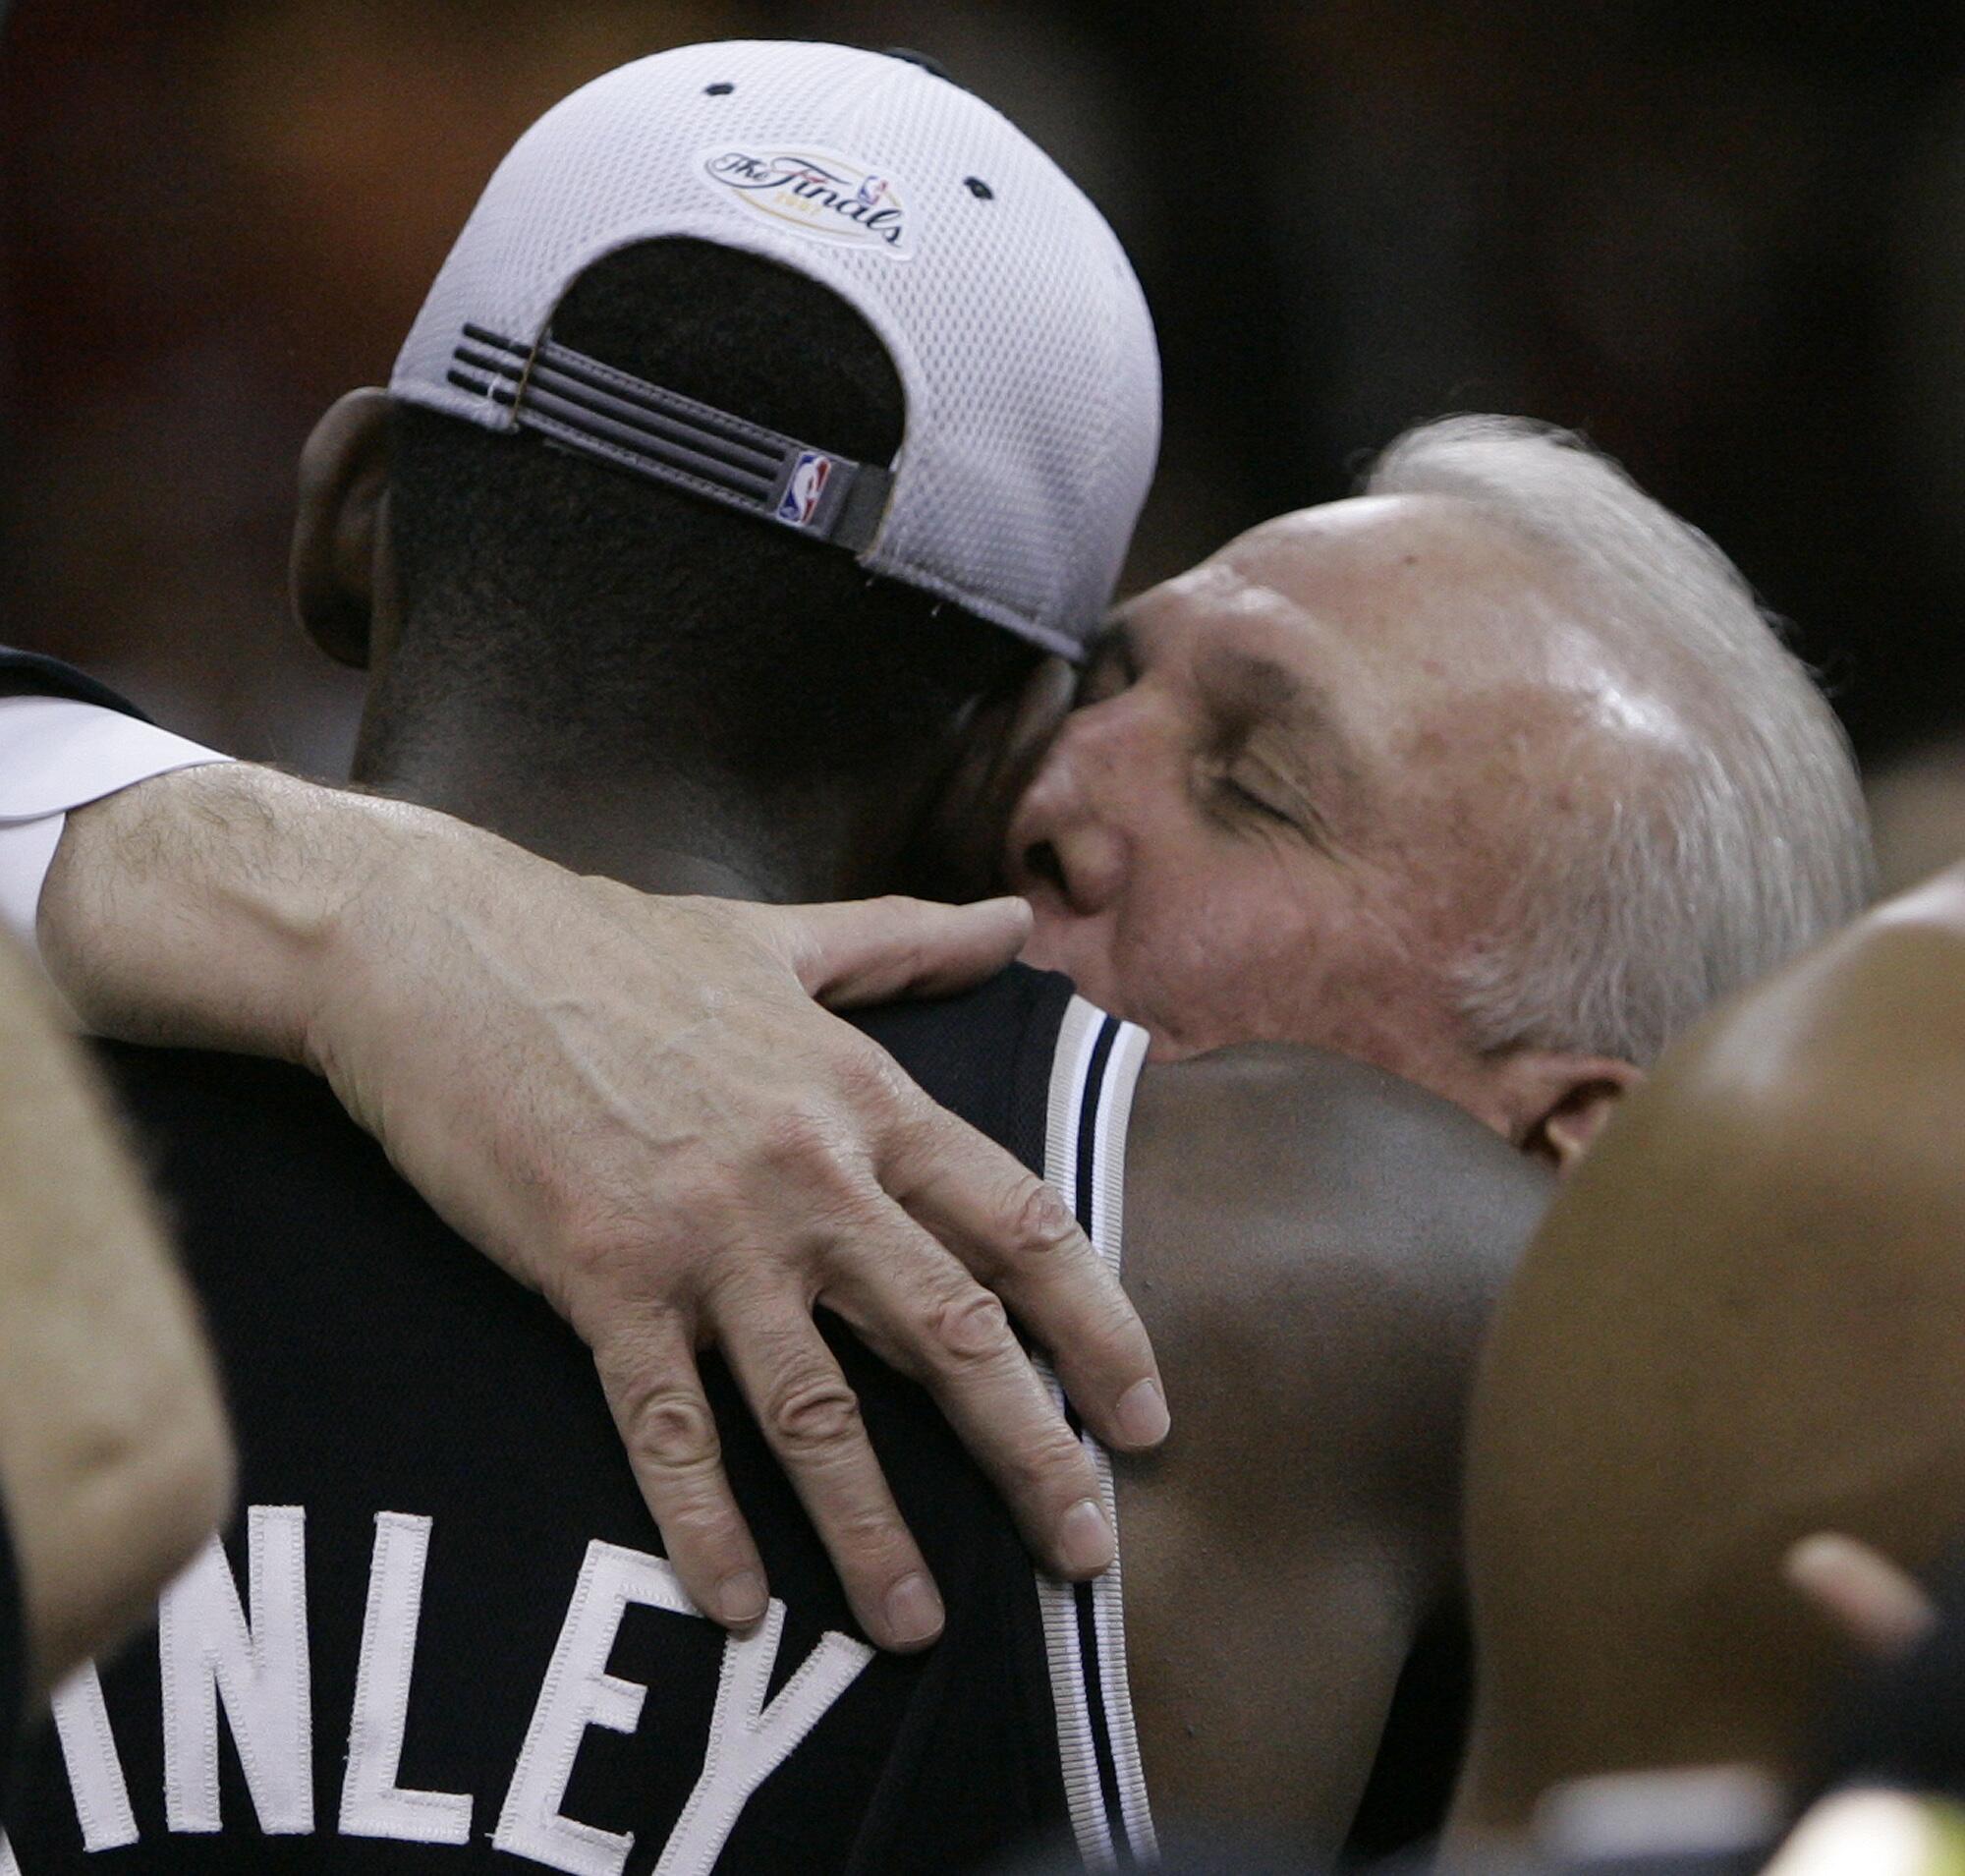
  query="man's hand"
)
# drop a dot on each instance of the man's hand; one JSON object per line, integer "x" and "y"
{"x": 633, "y": 1105}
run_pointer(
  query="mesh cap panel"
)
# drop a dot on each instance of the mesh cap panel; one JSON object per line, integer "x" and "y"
{"x": 1014, "y": 320}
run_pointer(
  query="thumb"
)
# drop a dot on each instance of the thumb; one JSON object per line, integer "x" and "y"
{"x": 870, "y": 950}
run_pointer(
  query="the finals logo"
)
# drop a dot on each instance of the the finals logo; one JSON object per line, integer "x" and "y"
{"x": 817, "y": 192}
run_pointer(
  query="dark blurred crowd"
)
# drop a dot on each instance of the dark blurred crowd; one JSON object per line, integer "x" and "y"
{"x": 1723, "y": 242}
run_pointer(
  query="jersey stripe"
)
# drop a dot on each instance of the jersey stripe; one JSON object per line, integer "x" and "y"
{"x": 1094, "y": 1072}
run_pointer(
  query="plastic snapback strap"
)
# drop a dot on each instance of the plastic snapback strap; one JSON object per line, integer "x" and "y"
{"x": 595, "y": 410}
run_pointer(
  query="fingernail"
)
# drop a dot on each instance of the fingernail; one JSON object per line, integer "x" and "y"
{"x": 1084, "y": 1541}
{"x": 913, "y": 1610}
{"x": 1142, "y": 1414}
{"x": 741, "y": 1596}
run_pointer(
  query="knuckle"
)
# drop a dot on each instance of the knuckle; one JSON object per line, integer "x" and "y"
{"x": 601, "y": 1238}
{"x": 813, "y": 1414}
{"x": 968, "y": 1328}
{"x": 869, "y": 1080}
{"x": 1050, "y": 1462}
{"x": 674, "y": 1431}
{"x": 803, "y": 1138}
{"x": 1040, "y": 1225}
{"x": 867, "y": 1542}
{"x": 917, "y": 1132}
{"x": 901, "y": 922}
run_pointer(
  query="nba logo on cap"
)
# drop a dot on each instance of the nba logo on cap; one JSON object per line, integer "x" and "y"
{"x": 802, "y": 493}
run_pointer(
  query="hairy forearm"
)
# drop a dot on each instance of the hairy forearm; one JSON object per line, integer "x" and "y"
{"x": 201, "y": 908}
{"x": 114, "y": 1457}
{"x": 632, "y": 1104}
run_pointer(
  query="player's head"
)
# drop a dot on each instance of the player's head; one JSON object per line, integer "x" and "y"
{"x": 1742, "y": 1324}
{"x": 777, "y": 402}
{"x": 1495, "y": 776}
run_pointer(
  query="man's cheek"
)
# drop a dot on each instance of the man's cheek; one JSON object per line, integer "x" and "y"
{"x": 1255, "y": 969}
{"x": 1183, "y": 960}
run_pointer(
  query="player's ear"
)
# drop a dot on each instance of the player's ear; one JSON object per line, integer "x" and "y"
{"x": 1562, "y": 1101}
{"x": 339, "y": 569}
{"x": 959, "y": 855}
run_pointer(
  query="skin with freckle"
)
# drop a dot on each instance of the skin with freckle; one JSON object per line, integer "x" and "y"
{"x": 1301, "y": 782}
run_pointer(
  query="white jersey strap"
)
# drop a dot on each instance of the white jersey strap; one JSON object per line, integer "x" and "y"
{"x": 1093, "y": 1077}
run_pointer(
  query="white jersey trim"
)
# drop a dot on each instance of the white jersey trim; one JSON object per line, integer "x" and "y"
{"x": 1093, "y": 1073}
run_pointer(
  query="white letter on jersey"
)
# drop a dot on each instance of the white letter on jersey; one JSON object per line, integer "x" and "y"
{"x": 579, "y": 1692}
{"x": 372, "y": 1804}
{"x": 206, "y": 1650}
{"x": 94, "y": 1771}
{"x": 748, "y": 1740}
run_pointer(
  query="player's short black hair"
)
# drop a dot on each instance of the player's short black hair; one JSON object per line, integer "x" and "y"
{"x": 553, "y": 585}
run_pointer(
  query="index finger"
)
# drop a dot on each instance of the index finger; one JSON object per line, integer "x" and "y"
{"x": 1013, "y": 1233}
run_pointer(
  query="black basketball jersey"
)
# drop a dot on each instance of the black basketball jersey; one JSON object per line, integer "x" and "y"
{"x": 440, "y": 1632}
{"x": 31, "y": 674}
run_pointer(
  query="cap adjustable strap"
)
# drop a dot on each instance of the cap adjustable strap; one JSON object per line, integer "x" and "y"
{"x": 596, "y": 410}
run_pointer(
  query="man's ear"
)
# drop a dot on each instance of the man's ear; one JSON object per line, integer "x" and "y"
{"x": 960, "y": 852}
{"x": 1559, "y": 1103}
{"x": 341, "y": 536}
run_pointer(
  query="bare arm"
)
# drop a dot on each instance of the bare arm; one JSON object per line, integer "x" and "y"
{"x": 632, "y": 1105}
{"x": 114, "y": 1458}
{"x": 1314, "y": 1246}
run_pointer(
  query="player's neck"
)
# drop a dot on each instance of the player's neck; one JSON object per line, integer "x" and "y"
{"x": 664, "y": 831}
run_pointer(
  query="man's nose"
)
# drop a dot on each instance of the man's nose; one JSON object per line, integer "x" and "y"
{"x": 1073, "y": 828}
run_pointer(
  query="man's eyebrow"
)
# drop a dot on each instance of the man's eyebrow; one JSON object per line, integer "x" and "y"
{"x": 1268, "y": 691}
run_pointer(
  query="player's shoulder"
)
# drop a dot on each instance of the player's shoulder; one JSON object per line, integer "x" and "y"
{"x": 1294, "y": 1146}
{"x": 1288, "y": 1200}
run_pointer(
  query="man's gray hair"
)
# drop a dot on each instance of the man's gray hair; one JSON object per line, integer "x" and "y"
{"x": 1736, "y": 842}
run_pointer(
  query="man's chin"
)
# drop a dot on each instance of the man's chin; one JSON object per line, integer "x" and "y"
{"x": 1051, "y": 949}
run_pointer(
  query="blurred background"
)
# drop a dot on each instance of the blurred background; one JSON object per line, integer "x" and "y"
{"x": 1728, "y": 243}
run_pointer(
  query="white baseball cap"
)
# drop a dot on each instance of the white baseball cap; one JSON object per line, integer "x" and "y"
{"x": 1014, "y": 320}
